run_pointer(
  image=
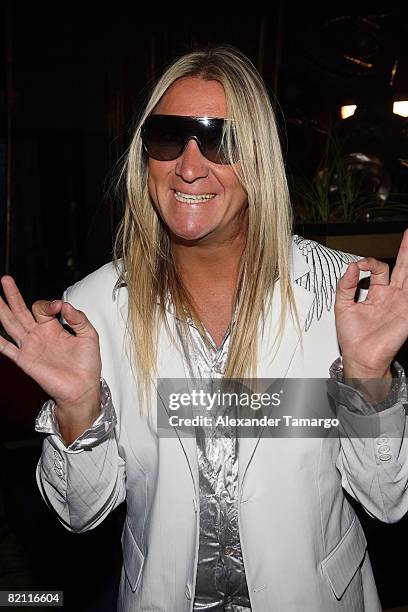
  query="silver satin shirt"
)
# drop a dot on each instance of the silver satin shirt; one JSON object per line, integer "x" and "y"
{"x": 220, "y": 582}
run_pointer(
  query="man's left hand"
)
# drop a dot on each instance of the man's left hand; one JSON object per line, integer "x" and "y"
{"x": 370, "y": 333}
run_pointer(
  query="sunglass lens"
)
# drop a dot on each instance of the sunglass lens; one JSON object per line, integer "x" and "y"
{"x": 214, "y": 145}
{"x": 161, "y": 140}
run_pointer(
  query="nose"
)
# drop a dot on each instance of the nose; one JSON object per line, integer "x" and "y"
{"x": 191, "y": 165}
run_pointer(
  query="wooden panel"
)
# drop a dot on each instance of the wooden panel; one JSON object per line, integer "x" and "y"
{"x": 382, "y": 246}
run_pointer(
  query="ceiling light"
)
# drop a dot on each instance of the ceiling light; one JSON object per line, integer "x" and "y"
{"x": 400, "y": 107}
{"x": 348, "y": 110}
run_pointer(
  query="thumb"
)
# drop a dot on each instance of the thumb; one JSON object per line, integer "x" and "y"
{"x": 45, "y": 311}
{"x": 347, "y": 285}
{"x": 77, "y": 320}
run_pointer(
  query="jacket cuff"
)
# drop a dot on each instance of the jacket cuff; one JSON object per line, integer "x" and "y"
{"x": 355, "y": 401}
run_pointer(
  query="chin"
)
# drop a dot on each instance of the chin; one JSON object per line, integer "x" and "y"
{"x": 189, "y": 234}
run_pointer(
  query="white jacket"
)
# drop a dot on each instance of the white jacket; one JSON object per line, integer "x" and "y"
{"x": 303, "y": 546}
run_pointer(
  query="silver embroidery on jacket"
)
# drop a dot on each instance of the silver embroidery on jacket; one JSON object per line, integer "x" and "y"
{"x": 326, "y": 268}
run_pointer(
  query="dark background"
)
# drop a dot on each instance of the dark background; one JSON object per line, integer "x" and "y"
{"x": 73, "y": 77}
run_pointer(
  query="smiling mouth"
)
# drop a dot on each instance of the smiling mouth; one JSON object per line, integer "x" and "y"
{"x": 192, "y": 199}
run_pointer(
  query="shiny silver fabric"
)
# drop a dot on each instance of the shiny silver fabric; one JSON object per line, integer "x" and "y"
{"x": 221, "y": 582}
{"x": 46, "y": 422}
{"x": 357, "y": 402}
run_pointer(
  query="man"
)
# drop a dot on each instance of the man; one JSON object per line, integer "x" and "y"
{"x": 210, "y": 285}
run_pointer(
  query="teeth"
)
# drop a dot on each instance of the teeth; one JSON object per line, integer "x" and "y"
{"x": 186, "y": 197}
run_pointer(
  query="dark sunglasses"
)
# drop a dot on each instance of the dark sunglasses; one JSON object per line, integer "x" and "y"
{"x": 165, "y": 137}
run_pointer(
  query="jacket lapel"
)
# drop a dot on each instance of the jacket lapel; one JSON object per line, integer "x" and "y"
{"x": 275, "y": 364}
{"x": 170, "y": 365}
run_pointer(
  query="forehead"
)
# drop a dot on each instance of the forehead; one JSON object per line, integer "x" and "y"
{"x": 194, "y": 97}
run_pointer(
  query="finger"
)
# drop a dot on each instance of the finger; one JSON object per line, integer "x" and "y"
{"x": 45, "y": 311}
{"x": 347, "y": 285}
{"x": 10, "y": 323}
{"x": 8, "y": 349}
{"x": 400, "y": 271}
{"x": 380, "y": 272}
{"x": 16, "y": 303}
{"x": 77, "y": 320}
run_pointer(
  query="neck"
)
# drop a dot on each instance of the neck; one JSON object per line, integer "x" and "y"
{"x": 209, "y": 267}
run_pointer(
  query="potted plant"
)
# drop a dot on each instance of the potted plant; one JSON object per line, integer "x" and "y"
{"x": 348, "y": 204}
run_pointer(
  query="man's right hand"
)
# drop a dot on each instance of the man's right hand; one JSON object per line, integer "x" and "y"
{"x": 66, "y": 365}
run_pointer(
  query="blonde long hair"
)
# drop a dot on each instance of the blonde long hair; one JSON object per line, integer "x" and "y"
{"x": 143, "y": 243}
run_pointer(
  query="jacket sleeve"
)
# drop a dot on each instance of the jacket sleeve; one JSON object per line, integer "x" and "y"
{"x": 373, "y": 458}
{"x": 86, "y": 480}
